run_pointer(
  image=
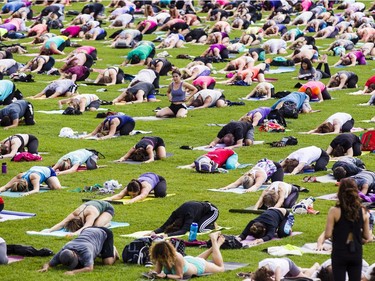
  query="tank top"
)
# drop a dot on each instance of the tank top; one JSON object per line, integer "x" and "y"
{"x": 179, "y": 94}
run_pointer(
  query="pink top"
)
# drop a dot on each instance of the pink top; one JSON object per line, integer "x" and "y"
{"x": 152, "y": 23}
{"x": 306, "y": 4}
{"x": 86, "y": 49}
{"x": 203, "y": 79}
{"x": 73, "y": 30}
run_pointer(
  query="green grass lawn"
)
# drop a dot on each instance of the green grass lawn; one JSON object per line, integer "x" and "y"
{"x": 51, "y": 207}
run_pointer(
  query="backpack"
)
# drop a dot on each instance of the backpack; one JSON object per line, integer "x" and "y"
{"x": 71, "y": 111}
{"x": 285, "y": 141}
{"x": 289, "y": 110}
{"x": 137, "y": 251}
{"x": 179, "y": 245}
{"x": 205, "y": 165}
{"x": 230, "y": 243}
{"x": 276, "y": 115}
{"x": 271, "y": 126}
{"x": 368, "y": 141}
{"x": 91, "y": 163}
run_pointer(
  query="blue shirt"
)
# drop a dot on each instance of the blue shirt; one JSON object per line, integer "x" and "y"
{"x": 6, "y": 88}
{"x": 44, "y": 172}
{"x": 79, "y": 156}
{"x": 297, "y": 97}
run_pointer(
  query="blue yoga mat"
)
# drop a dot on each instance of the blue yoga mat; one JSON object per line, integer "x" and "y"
{"x": 14, "y": 213}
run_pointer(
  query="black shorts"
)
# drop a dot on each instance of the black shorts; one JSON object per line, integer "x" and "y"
{"x": 176, "y": 107}
{"x": 48, "y": 65}
{"x": 94, "y": 104}
{"x": 107, "y": 249}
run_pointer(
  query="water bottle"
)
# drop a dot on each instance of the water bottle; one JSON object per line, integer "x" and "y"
{"x": 193, "y": 231}
{"x": 4, "y": 168}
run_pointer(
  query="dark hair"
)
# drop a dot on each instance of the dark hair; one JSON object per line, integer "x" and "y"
{"x": 339, "y": 173}
{"x": 308, "y": 62}
{"x": 129, "y": 96}
{"x": 176, "y": 225}
{"x": 258, "y": 230}
{"x": 290, "y": 165}
{"x": 139, "y": 155}
{"x": 135, "y": 60}
{"x": 325, "y": 274}
{"x": 324, "y": 128}
{"x": 263, "y": 274}
{"x": 371, "y": 87}
{"x": 231, "y": 67}
{"x": 197, "y": 102}
{"x": 228, "y": 139}
{"x": 134, "y": 186}
{"x": 349, "y": 200}
{"x": 5, "y": 121}
{"x": 176, "y": 71}
{"x": 338, "y": 151}
{"x": 74, "y": 224}
{"x": 372, "y": 275}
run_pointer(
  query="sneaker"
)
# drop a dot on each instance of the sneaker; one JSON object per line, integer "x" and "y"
{"x": 311, "y": 211}
{"x": 299, "y": 209}
{"x": 289, "y": 224}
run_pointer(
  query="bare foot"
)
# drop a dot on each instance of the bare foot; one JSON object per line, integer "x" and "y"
{"x": 215, "y": 235}
{"x": 220, "y": 240}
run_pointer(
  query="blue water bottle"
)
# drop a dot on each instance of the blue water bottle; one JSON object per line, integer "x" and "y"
{"x": 193, "y": 231}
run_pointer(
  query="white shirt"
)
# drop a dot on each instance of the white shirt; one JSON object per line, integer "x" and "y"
{"x": 306, "y": 155}
{"x": 214, "y": 94}
{"x": 287, "y": 188}
{"x": 340, "y": 118}
{"x": 272, "y": 264}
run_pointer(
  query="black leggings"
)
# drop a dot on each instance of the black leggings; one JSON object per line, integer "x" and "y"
{"x": 325, "y": 94}
{"x": 160, "y": 189}
{"x": 347, "y": 126}
{"x": 32, "y": 145}
{"x": 127, "y": 128}
{"x": 344, "y": 262}
{"x": 29, "y": 115}
{"x": 327, "y": 72}
{"x": 207, "y": 221}
{"x": 321, "y": 163}
{"x": 292, "y": 198}
{"x": 279, "y": 174}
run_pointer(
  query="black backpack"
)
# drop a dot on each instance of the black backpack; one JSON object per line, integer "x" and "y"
{"x": 137, "y": 252}
{"x": 230, "y": 243}
{"x": 276, "y": 115}
{"x": 289, "y": 110}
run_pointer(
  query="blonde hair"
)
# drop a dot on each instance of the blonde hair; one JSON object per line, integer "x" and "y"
{"x": 164, "y": 253}
{"x": 248, "y": 181}
{"x": 19, "y": 186}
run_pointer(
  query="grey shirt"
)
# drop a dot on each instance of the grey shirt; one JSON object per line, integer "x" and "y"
{"x": 15, "y": 110}
{"x": 87, "y": 246}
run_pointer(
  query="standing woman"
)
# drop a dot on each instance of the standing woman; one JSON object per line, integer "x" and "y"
{"x": 347, "y": 225}
{"x": 177, "y": 95}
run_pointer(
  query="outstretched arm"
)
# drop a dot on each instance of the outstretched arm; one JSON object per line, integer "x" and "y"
{"x": 127, "y": 155}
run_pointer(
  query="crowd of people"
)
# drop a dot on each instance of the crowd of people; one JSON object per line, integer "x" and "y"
{"x": 288, "y": 37}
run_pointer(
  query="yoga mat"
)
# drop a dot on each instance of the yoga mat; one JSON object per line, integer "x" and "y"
{"x": 11, "y": 215}
{"x": 237, "y": 190}
{"x": 249, "y": 239}
{"x": 148, "y": 118}
{"x": 255, "y": 99}
{"x": 366, "y": 121}
{"x": 138, "y": 132}
{"x": 326, "y": 178}
{"x": 63, "y": 233}
{"x": 60, "y": 111}
{"x": 130, "y": 161}
{"x": 332, "y": 196}
{"x": 12, "y": 259}
{"x": 281, "y": 69}
{"x": 220, "y": 145}
{"x": 216, "y": 125}
{"x": 17, "y": 194}
{"x": 227, "y": 265}
{"x": 143, "y": 233}
{"x": 126, "y": 199}
{"x": 310, "y": 248}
